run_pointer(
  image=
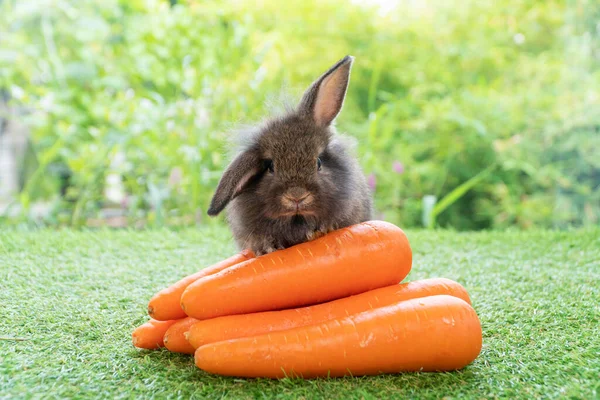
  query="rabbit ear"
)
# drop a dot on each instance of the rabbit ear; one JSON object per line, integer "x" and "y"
{"x": 235, "y": 178}
{"x": 324, "y": 98}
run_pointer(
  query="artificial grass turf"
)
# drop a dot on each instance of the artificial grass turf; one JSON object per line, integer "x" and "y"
{"x": 76, "y": 296}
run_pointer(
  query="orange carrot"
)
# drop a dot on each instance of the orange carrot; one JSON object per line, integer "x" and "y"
{"x": 150, "y": 334}
{"x": 237, "y": 326}
{"x": 436, "y": 333}
{"x": 165, "y": 305}
{"x": 175, "y": 338}
{"x": 348, "y": 261}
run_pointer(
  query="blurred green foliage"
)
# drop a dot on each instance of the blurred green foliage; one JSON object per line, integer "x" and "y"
{"x": 500, "y": 97}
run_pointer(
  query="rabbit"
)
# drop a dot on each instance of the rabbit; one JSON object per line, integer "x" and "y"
{"x": 296, "y": 179}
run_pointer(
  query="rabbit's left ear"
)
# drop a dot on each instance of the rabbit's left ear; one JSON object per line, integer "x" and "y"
{"x": 324, "y": 98}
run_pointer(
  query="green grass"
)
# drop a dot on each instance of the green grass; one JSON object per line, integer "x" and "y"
{"x": 76, "y": 296}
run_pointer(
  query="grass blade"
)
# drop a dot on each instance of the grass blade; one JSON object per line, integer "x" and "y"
{"x": 457, "y": 193}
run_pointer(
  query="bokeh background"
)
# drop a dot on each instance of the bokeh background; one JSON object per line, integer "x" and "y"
{"x": 468, "y": 114}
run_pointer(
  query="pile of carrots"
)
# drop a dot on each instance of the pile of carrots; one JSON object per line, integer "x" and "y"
{"x": 330, "y": 307}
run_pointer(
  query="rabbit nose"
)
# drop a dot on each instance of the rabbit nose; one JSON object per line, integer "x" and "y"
{"x": 297, "y": 194}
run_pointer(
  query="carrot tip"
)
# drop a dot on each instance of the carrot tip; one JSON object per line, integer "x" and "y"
{"x": 151, "y": 311}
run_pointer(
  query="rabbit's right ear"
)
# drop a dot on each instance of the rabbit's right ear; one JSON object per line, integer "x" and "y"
{"x": 235, "y": 178}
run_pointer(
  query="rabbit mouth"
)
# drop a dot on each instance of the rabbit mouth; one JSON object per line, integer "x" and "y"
{"x": 297, "y": 213}
{"x": 296, "y": 203}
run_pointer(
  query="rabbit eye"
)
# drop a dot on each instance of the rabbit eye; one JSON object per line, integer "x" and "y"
{"x": 269, "y": 165}
{"x": 318, "y": 164}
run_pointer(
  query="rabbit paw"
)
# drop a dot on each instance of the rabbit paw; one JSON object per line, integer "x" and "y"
{"x": 317, "y": 233}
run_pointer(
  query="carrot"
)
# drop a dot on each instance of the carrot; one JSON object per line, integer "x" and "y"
{"x": 348, "y": 261}
{"x": 165, "y": 305}
{"x": 436, "y": 333}
{"x": 150, "y": 334}
{"x": 237, "y": 326}
{"x": 175, "y": 339}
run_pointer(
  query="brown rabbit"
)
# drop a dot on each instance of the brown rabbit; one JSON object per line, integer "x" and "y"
{"x": 296, "y": 179}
